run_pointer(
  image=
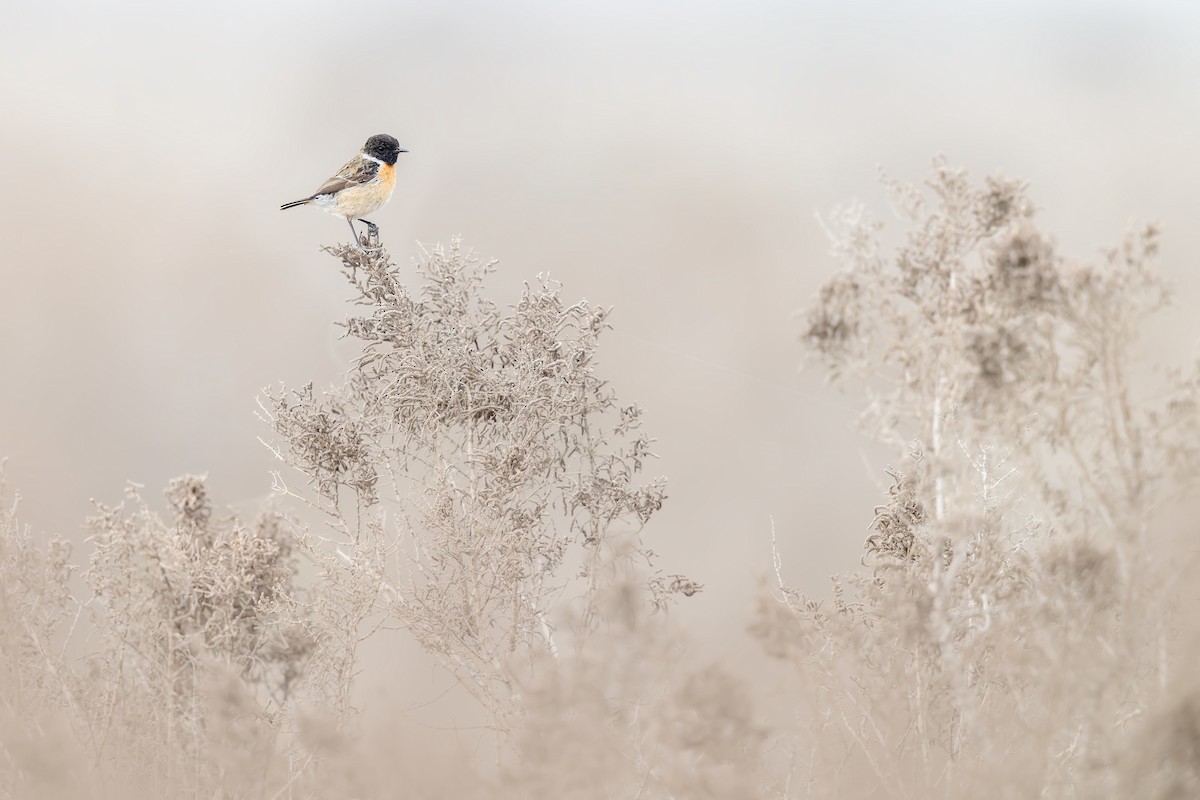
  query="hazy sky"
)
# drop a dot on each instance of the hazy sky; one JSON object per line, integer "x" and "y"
{"x": 663, "y": 158}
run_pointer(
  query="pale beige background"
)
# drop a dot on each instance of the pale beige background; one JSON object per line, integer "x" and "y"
{"x": 666, "y": 159}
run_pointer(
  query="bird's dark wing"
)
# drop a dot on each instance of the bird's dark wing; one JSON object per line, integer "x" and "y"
{"x": 357, "y": 170}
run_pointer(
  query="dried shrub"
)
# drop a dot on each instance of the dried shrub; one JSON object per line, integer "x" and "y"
{"x": 631, "y": 716}
{"x": 39, "y": 753}
{"x": 472, "y": 461}
{"x": 1010, "y": 611}
{"x": 474, "y": 482}
{"x": 179, "y": 603}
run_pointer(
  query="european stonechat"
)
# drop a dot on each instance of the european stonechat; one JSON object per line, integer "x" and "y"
{"x": 361, "y": 187}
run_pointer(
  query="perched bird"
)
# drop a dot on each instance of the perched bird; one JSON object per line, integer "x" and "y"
{"x": 361, "y": 187}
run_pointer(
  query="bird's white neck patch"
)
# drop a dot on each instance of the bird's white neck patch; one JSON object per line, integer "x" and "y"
{"x": 373, "y": 158}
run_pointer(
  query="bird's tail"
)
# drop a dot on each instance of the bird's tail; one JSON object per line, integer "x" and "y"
{"x": 294, "y": 203}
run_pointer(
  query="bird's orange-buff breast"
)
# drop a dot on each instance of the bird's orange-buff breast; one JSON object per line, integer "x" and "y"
{"x": 356, "y": 202}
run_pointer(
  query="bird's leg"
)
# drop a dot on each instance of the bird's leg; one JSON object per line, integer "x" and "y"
{"x": 357, "y": 242}
{"x": 353, "y": 234}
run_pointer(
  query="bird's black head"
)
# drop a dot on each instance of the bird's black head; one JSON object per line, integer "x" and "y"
{"x": 383, "y": 147}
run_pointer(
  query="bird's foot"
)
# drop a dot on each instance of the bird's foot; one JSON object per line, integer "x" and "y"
{"x": 372, "y": 234}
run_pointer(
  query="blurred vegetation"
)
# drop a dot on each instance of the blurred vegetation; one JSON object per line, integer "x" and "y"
{"x": 475, "y": 486}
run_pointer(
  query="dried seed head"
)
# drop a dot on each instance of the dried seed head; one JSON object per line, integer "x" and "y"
{"x": 1001, "y": 202}
{"x": 1025, "y": 271}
